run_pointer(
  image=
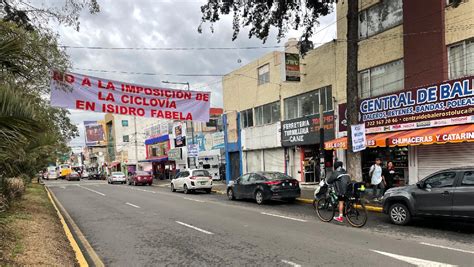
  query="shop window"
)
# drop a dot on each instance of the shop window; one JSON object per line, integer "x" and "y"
{"x": 126, "y": 138}
{"x": 461, "y": 59}
{"x": 444, "y": 179}
{"x": 267, "y": 114}
{"x": 246, "y": 118}
{"x": 308, "y": 103}
{"x": 383, "y": 79}
{"x": 264, "y": 74}
{"x": 124, "y": 123}
{"x": 468, "y": 179}
{"x": 380, "y": 17}
{"x": 158, "y": 149}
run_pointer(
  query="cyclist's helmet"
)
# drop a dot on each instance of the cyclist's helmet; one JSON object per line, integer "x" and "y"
{"x": 337, "y": 164}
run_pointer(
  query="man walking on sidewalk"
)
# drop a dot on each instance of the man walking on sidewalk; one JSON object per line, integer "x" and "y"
{"x": 377, "y": 179}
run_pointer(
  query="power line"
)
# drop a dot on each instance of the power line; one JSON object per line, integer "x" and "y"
{"x": 150, "y": 73}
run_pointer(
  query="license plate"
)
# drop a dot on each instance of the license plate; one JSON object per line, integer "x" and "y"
{"x": 203, "y": 182}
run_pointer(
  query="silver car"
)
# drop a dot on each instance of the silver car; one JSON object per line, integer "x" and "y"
{"x": 116, "y": 177}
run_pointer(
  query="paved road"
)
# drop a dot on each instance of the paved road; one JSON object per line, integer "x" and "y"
{"x": 150, "y": 226}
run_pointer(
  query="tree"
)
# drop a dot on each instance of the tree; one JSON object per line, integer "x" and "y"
{"x": 285, "y": 15}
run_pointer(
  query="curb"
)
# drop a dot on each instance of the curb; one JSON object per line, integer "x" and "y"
{"x": 310, "y": 201}
{"x": 96, "y": 261}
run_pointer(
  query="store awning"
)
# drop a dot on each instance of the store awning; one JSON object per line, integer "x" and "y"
{"x": 114, "y": 163}
{"x": 441, "y": 135}
{"x": 428, "y": 136}
{"x": 155, "y": 160}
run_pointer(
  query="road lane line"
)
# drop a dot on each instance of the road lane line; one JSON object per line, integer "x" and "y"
{"x": 414, "y": 261}
{"x": 192, "y": 199}
{"x": 291, "y": 263}
{"x": 97, "y": 192}
{"x": 455, "y": 249}
{"x": 195, "y": 228}
{"x": 130, "y": 204}
{"x": 284, "y": 217}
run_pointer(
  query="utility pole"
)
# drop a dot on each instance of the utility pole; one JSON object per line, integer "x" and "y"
{"x": 322, "y": 167}
{"x": 136, "y": 142}
{"x": 353, "y": 159}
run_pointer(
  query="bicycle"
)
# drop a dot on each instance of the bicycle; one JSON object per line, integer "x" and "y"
{"x": 354, "y": 209}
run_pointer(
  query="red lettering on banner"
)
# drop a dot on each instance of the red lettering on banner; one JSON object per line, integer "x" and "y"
{"x": 202, "y": 97}
{"x": 69, "y": 78}
{"x": 175, "y": 115}
{"x": 111, "y": 108}
{"x": 110, "y": 85}
{"x": 109, "y": 97}
{"x": 100, "y": 85}
{"x": 86, "y": 81}
{"x": 85, "y": 105}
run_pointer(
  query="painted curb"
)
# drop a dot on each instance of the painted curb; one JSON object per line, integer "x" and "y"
{"x": 96, "y": 261}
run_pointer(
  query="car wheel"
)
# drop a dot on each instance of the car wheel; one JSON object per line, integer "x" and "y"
{"x": 149, "y": 184}
{"x": 399, "y": 214}
{"x": 172, "y": 188}
{"x": 185, "y": 189}
{"x": 208, "y": 191}
{"x": 290, "y": 200}
{"x": 259, "y": 197}
{"x": 230, "y": 194}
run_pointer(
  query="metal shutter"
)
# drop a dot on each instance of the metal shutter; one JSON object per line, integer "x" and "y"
{"x": 274, "y": 159}
{"x": 432, "y": 158}
{"x": 254, "y": 161}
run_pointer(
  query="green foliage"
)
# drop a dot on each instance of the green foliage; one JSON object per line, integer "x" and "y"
{"x": 261, "y": 16}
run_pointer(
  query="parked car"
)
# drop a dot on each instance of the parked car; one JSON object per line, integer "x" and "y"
{"x": 51, "y": 174}
{"x": 97, "y": 176}
{"x": 446, "y": 193}
{"x": 117, "y": 177}
{"x": 73, "y": 176}
{"x": 140, "y": 177}
{"x": 192, "y": 180}
{"x": 263, "y": 186}
{"x": 85, "y": 174}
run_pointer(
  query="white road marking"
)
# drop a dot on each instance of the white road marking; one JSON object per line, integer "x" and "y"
{"x": 97, "y": 192}
{"x": 130, "y": 204}
{"x": 197, "y": 200}
{"x": 291, "y": 263}
{"x": 195, "y": 228}
{"x": 455, "y": 249}
{"x": 284, "y": 217}
{"x": 414, "y": 261}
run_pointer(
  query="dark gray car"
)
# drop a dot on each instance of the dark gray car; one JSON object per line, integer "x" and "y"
{"x": 447, "y": 193}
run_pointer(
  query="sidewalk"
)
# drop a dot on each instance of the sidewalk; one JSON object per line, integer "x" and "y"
{"x": 307, "y": 193}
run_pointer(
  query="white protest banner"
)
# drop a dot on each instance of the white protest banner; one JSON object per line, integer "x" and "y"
{"x": 358, "y": 137}
{"x": 77, "y": 91}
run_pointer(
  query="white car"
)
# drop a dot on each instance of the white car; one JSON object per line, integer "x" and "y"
{"x": 192, "y": 180}
{"x": 52, "y": 174}
{"x": 116, "y": 177}
{"x": 85, "y": 174}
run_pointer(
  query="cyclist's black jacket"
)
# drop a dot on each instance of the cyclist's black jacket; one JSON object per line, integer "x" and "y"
{"x": 341, "y": 180}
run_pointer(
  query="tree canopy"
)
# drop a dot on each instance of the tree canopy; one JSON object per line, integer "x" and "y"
{"x": 261, "y": 16}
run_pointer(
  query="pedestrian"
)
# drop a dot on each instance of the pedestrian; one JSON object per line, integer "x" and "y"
{"x": 389, "y": 175}
{"x": 377, "y": 179}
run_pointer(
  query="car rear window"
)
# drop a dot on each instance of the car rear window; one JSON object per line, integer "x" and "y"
{"x": 117, "y": 173}
{"x": 275, "y": 176}
{"x": 142, "y": 173}
{"x": 201, "y": 173}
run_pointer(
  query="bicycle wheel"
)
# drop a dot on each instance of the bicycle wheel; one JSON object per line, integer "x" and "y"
{"x": 356, "y": 213}
{"x": 325, "y": 209}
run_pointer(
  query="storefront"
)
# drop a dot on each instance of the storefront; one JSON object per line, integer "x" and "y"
{"x": 301, "y": 139}
{"x": 422, "y": 130}
{"x": 157, "y": 149}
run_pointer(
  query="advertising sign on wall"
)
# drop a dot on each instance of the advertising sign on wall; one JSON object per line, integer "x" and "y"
{"x": 76, "y": 91}
{"x": 305, "y": 130}
{"x": 358, "y": 137}
{"x": 447, "y": 103}
{"x": 179, "y": 131}
{"x": 193, "y": 150}
{"x": 175, "y": 154}
{"x": 292, "y": 67}
{"x": 218, "y": 140}
{"x": 94, "y": 133}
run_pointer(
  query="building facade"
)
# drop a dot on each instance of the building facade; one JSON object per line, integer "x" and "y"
{"x": 404, "y": 48}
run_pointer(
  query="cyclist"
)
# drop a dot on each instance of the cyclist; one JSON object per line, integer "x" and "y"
{"x": 341, "y": 180}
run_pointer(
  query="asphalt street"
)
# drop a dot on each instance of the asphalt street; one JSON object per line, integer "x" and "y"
{"x": 151, "y": 226}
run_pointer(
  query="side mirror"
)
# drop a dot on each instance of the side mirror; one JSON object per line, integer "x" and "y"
{"x": 419, "y": 185}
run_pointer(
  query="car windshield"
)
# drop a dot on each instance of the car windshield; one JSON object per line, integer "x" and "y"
{"x": 201, "y": 173}
{"x": 117, "y": 173}
{"x": 142, "y": 173}
{"x": 275, "y": 176}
